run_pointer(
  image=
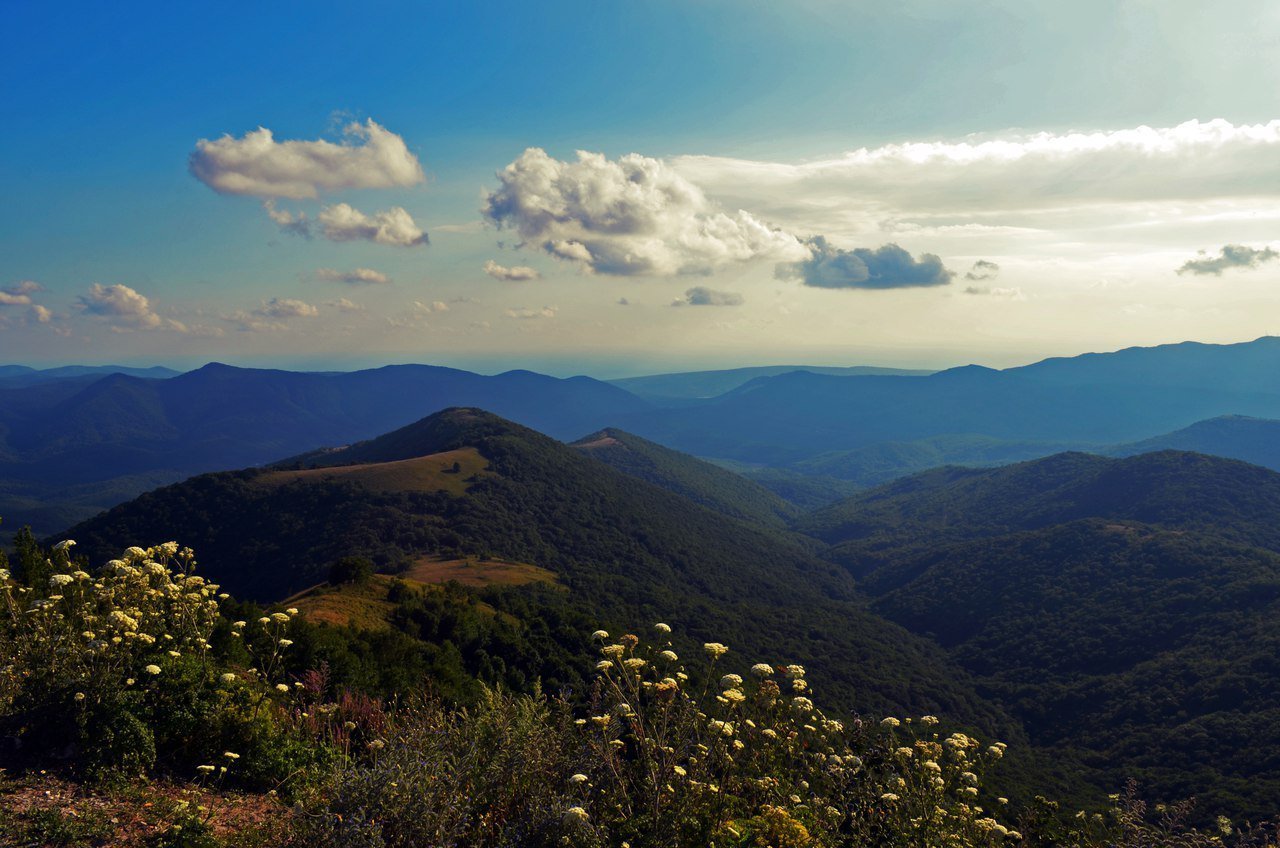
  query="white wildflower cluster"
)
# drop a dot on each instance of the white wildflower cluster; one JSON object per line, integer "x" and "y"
{"x": 124, "y": 624}
{"x": 756, "y": 747}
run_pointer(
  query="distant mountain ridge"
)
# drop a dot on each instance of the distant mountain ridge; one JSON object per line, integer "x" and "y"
{"x": 693, "y": 385}
{"x": 118, "y": 428}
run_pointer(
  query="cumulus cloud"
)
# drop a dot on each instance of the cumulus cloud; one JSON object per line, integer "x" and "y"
{"x": 886, "y": 267}
{"x": 38, "y": 314}
{"x": 525, "y": 313}
{"x": 983, "y": 269}
{"x": 518, "y": 273}
{"x": 393, "y": 227}
{"x": 415, "y": 317}
{"x": 295, "y": 224}
{"x": 1193, "y": 160}
{"x": 125, "y": 309}
{"x": 368, "y": 156}
{"x": 703, "y": 296}
{"x": 19, "y": 294}
{"x": 1230, "y": 256}
{"x": 272, "y": 315}
{"x": 630, "y": 216}
{"x": 357, "y": 277}
{"x": 344, "y": 305}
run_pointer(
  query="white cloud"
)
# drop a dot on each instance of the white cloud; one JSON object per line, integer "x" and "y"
{"x": 887, "y": 267}
{"x": 369, "y": 156}
{"x": 19, "y": 294}
{"x": 416, "y": 315}
{"x": 631, "y": 216}
{"x": 272, "y": 315}
{"x": 1194, "y": 160}
{"x": 533, "y": 314}
{"x": 703, "y": 296}
{"x": 518, "y": 273}
{"x": 357, "y": 277}
{"x": 39, "y": 314}
{"x": 295, "y": 224}
{"x": 344, "y": 305}
{"x": 125, "y": 309}
{"x": 1011, "y": 292}
{"x": 393, "y": 227}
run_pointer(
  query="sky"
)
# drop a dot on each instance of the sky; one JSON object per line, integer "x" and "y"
{"x": 621, "y": 188}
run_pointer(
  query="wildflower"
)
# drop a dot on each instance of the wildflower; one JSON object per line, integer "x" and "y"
{"x": 284, "y": 643}
{"x": 795, "y": 671}
{"x": 264, "y": 621}
{"x": 905, "y": 752}
{"x": 174, "y": 654}
{"x": 282, "y": 687}
{"x": 230, "y": 755}
{"x": 890, "y": 722}
{"x": 929, "y": 720}
{"x": 292, "y": 611}
{"x": 613, "y": 650}
{"x": 238, "y": 624}
{"x": 662, "y": 628}
{"x": 79, "y": 696}
{"x": 63, "y": 545}
{"x": 204, "y": 769}
{"x": 600, "y": 634}
{"x": 228, "y": 678}
{"x": 633, "y": 663}
{"x": 669, "y": 656}
{"x": 349, "y": 725}
{"x": 604, "y": 665}
{"x": 279, "y": 617}
{"x": 574, "y": 816}
{"x": 578, "y": 778}
{"x": 1013, "y": 834}
{"x": 57, "y": 581}
{"x": 761, "y": 670}
{"x": 996, "y": 751}
{"x": 730, "y": 681}
{"x": 733, "y": 696}
{"x": 377, "y": 744}
{"x": 715, "y": 650}
{"x": 888, "y": 796}
{"x": 152, "y": 669}
{"x": 679, "y": 770}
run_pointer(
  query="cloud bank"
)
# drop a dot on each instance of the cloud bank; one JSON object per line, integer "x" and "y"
{"x": 1230, "y": 256}
{"x": 886, "y": 267}
{"x": 626, "y": 217}
{"x": 369, "y": 156}
{"x": 1193, "y": 160}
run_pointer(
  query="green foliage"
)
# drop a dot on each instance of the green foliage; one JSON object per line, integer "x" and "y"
{"x": 351, "y": 569}
{"x": 700, "y": 482}
{"x": 622, "y": 548}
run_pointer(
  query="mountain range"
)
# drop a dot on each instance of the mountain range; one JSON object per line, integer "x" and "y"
{"x": 77, "y": 442}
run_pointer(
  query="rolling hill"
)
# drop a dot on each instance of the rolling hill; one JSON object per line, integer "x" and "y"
{"x": 700, "y": 482}
{"x": 1126, "y": 610}
{"x": 105, "y": 439}
{"x": 1252, "y": 440}
{"x": 624, "y": 552}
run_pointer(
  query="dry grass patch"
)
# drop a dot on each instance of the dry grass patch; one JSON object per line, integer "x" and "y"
{"x": 452, "y": 471}
{"x": 473, "y": 571}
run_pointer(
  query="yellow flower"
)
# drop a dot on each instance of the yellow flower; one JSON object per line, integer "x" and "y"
{"x": 574, "y": 816}
{"x": 152, "y": 669}
{"x": 890, "y": 722}
{"x": 662, "y": 628}
{"x": 715, "y": 650}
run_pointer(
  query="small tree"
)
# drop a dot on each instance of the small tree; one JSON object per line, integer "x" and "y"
{"x": 351, "y": 570}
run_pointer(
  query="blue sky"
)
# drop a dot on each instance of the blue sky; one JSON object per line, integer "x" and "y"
{"x": 747, "y": 113}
